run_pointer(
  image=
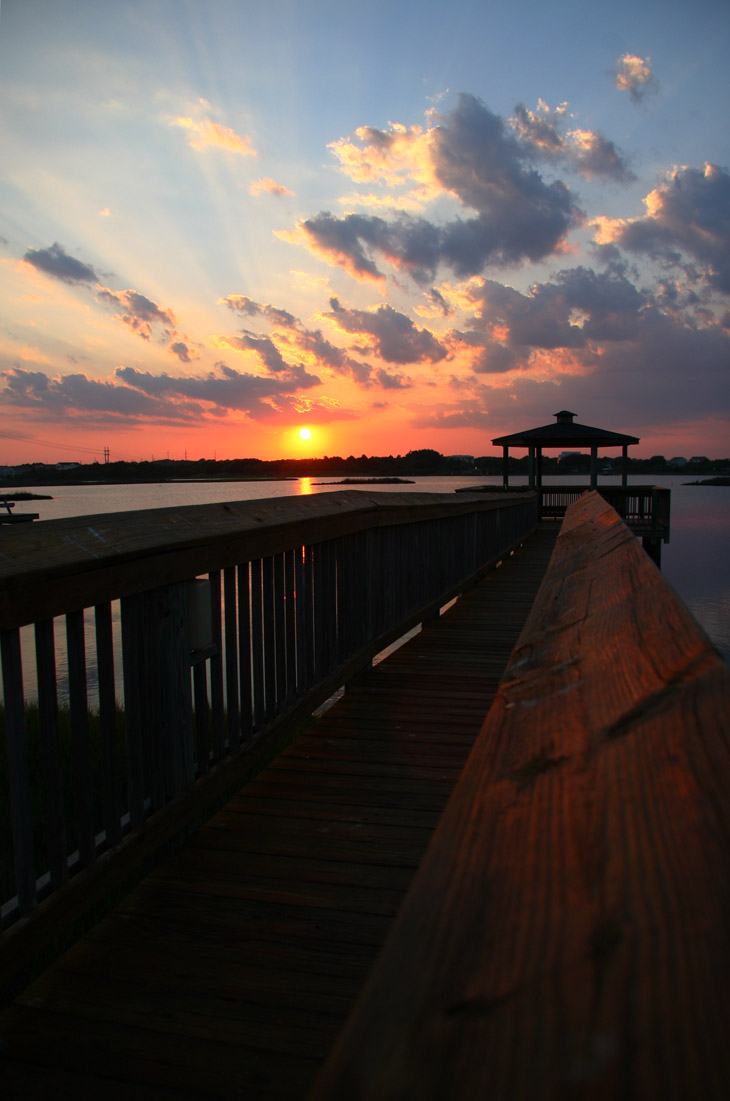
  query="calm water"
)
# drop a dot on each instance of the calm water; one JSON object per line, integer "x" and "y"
{"x": 696, "y": 562}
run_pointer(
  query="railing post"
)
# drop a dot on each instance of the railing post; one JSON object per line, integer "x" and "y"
{"x": 18, "y": 775}
{"x": 157, "y": 690}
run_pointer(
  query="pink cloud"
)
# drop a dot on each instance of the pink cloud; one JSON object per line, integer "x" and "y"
{"x": 267, "y": 186}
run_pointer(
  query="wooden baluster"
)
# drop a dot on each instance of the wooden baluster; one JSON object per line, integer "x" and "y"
{"x": 280, "y": 633}
{"x": 232, "y": 668}
{"x": 108, "y": 723}
{"x": 244, "y": 650}
{"x": 291, "y": 626}
{"x": 53, "y": 804}
{"x": 257, "y": 645}
{"x": 80, "y": 747}
{"x": 134, "y": 706}
{"x": 269, "y": 620}
{"x": 216, "y": 669}
{"x": 18, "y": 774}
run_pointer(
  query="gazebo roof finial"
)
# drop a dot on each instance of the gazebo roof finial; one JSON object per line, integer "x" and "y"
{"x": 564, "y": 416}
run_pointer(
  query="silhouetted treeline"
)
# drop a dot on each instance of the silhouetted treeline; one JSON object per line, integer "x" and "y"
{"x": 423, "y": 462}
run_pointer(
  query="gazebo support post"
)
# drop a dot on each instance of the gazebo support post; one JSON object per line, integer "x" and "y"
{"x": 531, "y": 467}
{"x": 505, "y": 466}
{"x": 594, "y": 467}
{"x": 624, "y": 465}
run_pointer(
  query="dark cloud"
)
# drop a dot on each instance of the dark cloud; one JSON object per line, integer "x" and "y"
{"x": 77, "y": 395}
{"x": 56, "y": 261}
{"x": 263, "y": 346}
{"x": 585, "y": 151}
{"x": 138, "y": 312}
{"x": 344, "y": 241}
{"x": 579, "y": 306}
{"x": 603, "y": 340}
{"x": 396, "y": 338}
{"x": 311, "y": 345}
{"x": 633, "y": 385}
{"x": 689, "y": 214}
{"x": 438, "y": 303}
{"x": 474, "y": 157}
{"x": 242, "y": 304}
{"x": 389, "y": 381}
{"x": 226, "y": 387}
{"x": 181, "y": 350}
{"x": 136, "y": 396}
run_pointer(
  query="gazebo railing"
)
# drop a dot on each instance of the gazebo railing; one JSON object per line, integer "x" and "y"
{"x": 646, "y": 509}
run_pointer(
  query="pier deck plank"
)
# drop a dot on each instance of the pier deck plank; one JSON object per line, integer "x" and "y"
{"x": 231, "y": 969}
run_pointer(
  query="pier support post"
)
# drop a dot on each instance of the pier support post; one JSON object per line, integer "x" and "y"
{"x": 653, "y": 548}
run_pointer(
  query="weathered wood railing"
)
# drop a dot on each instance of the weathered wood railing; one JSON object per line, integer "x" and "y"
{"x": 298, "y": 594}
{"x": 567, "y": 933}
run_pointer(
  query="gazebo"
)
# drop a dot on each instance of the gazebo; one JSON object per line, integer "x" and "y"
{"x": 565, "y": 433}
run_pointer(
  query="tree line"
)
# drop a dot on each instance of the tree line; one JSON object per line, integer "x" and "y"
{"x": 419, "y": 463}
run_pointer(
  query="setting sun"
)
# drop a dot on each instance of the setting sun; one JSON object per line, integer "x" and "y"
{"x": 305, "y": 433}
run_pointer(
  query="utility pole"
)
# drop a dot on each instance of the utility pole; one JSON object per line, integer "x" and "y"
{"x": 106, "y": 455}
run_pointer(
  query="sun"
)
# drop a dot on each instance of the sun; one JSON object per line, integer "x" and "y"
{"x": 305, "y": 433}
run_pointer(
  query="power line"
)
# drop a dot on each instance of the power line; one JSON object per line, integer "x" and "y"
{"x": 51, "y": 443}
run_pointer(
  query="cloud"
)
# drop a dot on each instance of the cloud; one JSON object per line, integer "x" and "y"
{"x": 585, "y": 151}
{"x": 469, "y": 154}
{"x": 143, "y": 397}
{"x": 267, "y": 186}
{"x": 640, "y": 381}
{"x": 579, "y": 310}
{"x": 76, "y": 396}
{"x": 181, "y": 350}
{"x": 393, "y": 335}
{"x": 263, "y": 346}
{"x": 343, "y": 241}
{"x": 55, "y": 261}
{"x": 291, "y": 338}
{"x": 138, "y": 312}
{"x": 205, "y": 134}
{"x": 260, "y": 398}
{"x": 247, "y": 307}
{"x": 687, "y": 215}
{"x": 633, "y": 74}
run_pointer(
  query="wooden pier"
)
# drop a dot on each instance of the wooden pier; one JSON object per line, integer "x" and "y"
{"x": 498, "y": 866}
{"x": 231, "y": 969}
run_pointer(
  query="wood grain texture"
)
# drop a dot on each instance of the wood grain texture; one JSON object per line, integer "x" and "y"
{"x": 568, "y": 932}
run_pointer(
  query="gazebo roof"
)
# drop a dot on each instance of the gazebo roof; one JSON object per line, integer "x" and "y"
{"x": 565, "y": 433}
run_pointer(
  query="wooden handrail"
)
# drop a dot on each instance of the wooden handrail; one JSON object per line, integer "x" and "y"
{"x": 567, "y": 933}
{"x": 50, "y": 568}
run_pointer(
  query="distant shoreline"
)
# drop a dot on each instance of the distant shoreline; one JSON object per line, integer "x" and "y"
{"x": 12, "y": 485}
{"x": 373, "y": 482}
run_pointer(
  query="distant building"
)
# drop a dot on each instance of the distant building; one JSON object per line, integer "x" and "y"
{"x": 67, "y": 466}
{"x": 699, "y": 459}
{"x": 678, "y": 460}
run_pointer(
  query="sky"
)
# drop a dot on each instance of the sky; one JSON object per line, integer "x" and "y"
{"x": 396, "y": 225}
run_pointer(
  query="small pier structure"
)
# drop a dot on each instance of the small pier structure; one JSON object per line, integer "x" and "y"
{"x": 646, "y": 509}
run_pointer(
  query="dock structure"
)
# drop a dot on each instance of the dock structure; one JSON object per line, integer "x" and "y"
{"x": 503, "y": 875}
